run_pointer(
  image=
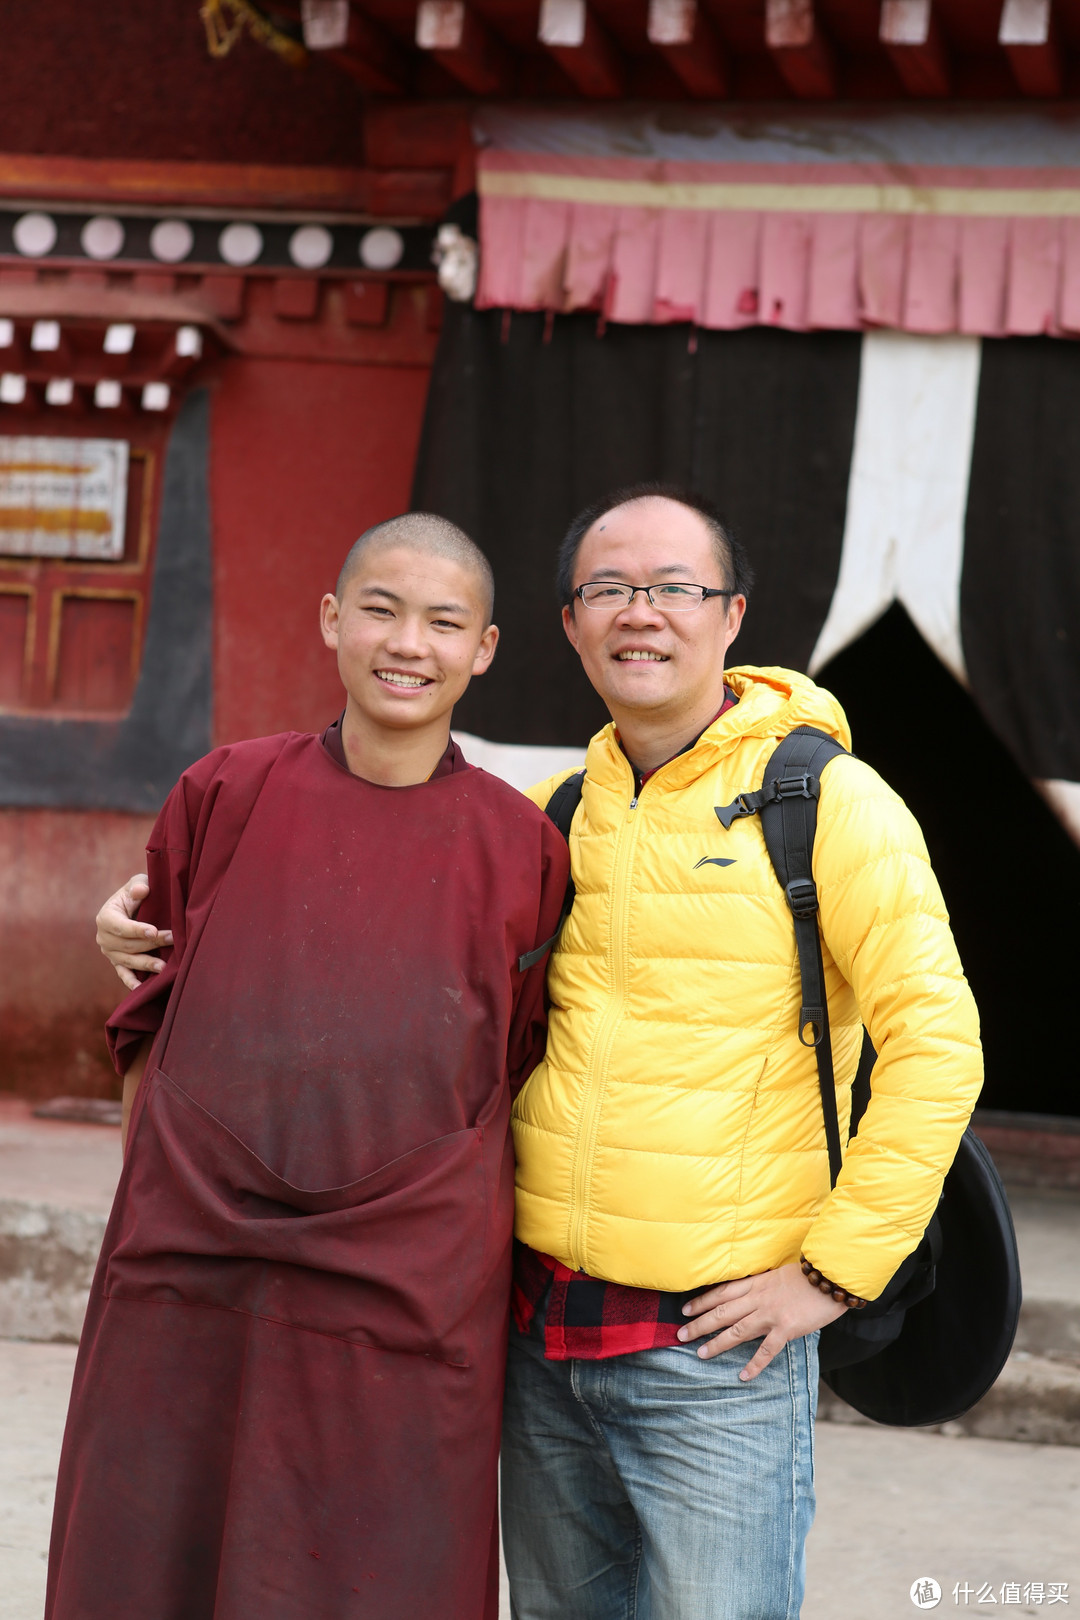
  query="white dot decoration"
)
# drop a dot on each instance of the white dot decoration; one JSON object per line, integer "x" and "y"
{"x": 240, "y": 244}
{"x": 171, "y": 240}
{"x": 188, "y": 342}
{"x": 382, "y": 248}
{"x": 119, "y": 338}
{"x": 59, "y": 391}
{"x": 310, "y": 246}
{"x": 102, "y": 237}
{"x": 155, "y": 396}
{"x": 45, "y": 336}
{"x": 7, "y": 333}
{"x": 108, "y": 394}
{"x": 12, "y": 389}
{"x": 35, "y": 235}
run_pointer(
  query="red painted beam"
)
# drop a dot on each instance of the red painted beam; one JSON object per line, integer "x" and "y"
{"x": 800, "y": 48}
{"x": 1029, "y": 39}
{"x": 682, "y": 34}
{"x": 219, "y": 185}
{"x": 582, "y": 48}
{"x": 373, "y": 58}
{"x": 458, "y": 39}
{"x": 911, "y": 35}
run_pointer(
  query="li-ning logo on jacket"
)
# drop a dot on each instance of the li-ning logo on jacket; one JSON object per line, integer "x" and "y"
{"x": 713, "y": 860}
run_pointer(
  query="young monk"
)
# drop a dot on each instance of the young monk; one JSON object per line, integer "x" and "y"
{"x": 288, "y": 1392}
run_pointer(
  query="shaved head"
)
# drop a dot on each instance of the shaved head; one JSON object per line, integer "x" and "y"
{"x": 432, "y": 536}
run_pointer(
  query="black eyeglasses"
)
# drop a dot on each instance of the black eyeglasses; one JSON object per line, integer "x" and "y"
{"x": 679, "y": 598}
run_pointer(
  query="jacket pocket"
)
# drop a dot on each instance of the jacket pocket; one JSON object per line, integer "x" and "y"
{"x": 395, "y": 1260}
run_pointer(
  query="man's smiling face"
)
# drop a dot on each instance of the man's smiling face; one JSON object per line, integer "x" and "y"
{"x": 410, "y": 632}
{"x": 640, "y": 658}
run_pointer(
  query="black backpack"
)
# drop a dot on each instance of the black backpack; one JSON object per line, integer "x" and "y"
{"x": 936, "y": 1338}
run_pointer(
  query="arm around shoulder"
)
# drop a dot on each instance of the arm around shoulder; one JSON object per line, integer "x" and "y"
{"x": 124, "y": 940}
{"x": 155, "y": 903}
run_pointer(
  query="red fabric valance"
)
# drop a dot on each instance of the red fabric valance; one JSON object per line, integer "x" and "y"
{"x": 990, "y": 251}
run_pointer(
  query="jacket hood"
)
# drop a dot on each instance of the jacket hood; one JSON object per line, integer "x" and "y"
{"x": 774, "y": 701}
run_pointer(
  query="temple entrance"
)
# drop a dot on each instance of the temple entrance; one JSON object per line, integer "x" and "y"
{"x": 1009, "y": 872}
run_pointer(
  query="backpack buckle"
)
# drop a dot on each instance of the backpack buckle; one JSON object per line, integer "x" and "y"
{"x": 812, "y": 1022}
{"x": 797, "y": 787}
{"x": 746, "y": 804}
{"x": 801, "y": 896}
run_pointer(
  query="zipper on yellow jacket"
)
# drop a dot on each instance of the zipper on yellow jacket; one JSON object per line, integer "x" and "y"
{"x": 596, "y": 1078}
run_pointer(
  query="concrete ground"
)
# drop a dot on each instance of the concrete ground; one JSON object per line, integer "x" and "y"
{"x": 56, "y": 1187}
{"x": 893, "y": 1507}
{"x": 34, "y": 1384}
{"x": 54, "y": 1162}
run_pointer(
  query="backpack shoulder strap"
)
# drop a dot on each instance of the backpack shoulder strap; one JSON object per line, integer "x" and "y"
{"x": 562, "y": 806}
{"x": 787, "y": 804}
{"x": 790, "y": 789}
{"x": 560, "y": 809}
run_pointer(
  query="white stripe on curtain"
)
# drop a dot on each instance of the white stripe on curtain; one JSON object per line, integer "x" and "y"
{"x": 907, "y": 494}
{"x": 1064, "y": 799}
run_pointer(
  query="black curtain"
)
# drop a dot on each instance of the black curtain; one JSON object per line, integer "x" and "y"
{"x": 529, "y": 420}
{"x": 1020, "y": 589}
{"x": 1008, "y": 870}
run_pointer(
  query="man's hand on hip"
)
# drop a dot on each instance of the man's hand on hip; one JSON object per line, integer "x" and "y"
{"x": 775, "y": 1306}
{"x": 123, "y": 940}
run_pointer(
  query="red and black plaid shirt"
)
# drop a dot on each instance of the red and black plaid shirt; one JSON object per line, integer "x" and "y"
{"x": 588, "y": 1319}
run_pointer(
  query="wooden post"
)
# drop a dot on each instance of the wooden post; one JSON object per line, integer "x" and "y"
{"x": 799, "y": 48}
{"x": 581, "y": 47}
{"x": 682, "y": 34}
{"x": 910, "y": 34}
{"x": 359, "y": 46}
{"x": 1029, "y": 39}
{"x": 466, "y": 47}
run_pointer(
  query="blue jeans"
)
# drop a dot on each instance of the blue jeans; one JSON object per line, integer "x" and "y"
{"x": 656, "y": 1486}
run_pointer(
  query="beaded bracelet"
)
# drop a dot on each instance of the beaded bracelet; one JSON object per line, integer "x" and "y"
{"x": 841, "y": 1295}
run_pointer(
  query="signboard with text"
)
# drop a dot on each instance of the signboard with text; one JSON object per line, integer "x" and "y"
{"x": 63, "y": 498}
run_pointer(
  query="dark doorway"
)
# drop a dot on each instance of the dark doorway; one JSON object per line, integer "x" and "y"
{"x": 1009, "y": 872}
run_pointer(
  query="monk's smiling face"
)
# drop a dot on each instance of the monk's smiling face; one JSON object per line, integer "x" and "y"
{"x": 410, "y": 630}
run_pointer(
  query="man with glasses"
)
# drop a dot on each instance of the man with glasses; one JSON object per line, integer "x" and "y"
{"x": 672, "y": 1169}
{"x": 672, "y": 1166}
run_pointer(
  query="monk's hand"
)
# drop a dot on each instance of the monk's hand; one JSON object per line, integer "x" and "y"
{"x": 775, "y": 1306}
{"x": 126, "y": 942}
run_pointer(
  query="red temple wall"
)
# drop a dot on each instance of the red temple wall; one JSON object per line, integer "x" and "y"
{"x": 55, "y": 989}
{"x": 304, "y": 456}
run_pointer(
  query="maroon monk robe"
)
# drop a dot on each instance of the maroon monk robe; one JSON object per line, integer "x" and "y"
{"x": 288, "y": 1391}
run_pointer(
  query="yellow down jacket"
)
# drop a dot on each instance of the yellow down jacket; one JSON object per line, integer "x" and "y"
{"x": 673, "y": 1136}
